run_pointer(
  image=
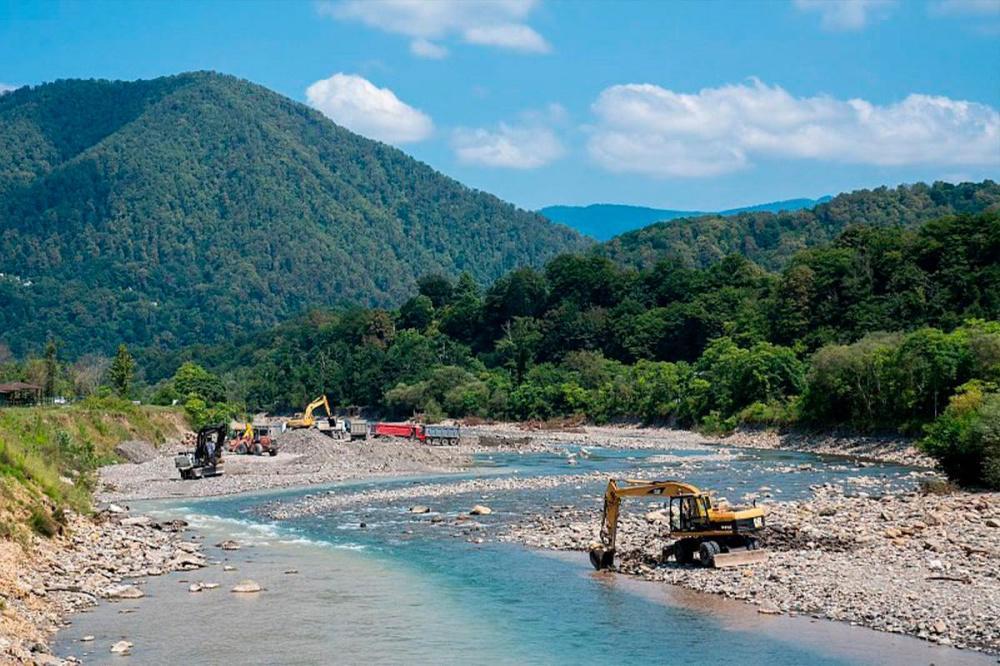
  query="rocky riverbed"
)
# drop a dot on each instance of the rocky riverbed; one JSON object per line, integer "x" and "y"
{"x": 104, "y": 557}
{"x": 909, "y": 563}
{"x": 305, "y": 457}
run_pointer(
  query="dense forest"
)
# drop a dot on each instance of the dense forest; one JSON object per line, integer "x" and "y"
{"x": 770, "y": 239}
{"x": 884, "y": 329}
{"x": 193, "y": 207}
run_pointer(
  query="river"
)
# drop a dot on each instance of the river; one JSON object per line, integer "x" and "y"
{"x": 405, "y": 589}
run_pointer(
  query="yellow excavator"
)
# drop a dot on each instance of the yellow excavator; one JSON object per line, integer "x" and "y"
{"x": 721, "y": 538}
{"x": 307, "y": 420}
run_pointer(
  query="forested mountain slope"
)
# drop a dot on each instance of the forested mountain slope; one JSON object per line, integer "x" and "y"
{"x": 603, "y": 221}
{"x": 187, "y": 208}
{"x": 770, "y": 239}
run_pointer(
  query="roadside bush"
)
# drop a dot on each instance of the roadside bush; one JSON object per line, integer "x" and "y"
{"x": 965, "y": 439}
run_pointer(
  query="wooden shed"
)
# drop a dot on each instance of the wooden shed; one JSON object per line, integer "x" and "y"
{"x": 14, "y": 394}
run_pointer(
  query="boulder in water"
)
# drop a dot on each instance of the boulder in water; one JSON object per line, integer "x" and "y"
{"x": 247, "y": 586}
{"x": 480, "y": 510}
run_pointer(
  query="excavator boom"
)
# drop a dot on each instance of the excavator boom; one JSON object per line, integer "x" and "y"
{"x": 307, "y": 420}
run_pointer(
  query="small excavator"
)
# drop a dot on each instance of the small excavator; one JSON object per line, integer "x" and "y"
{"x": 206, "y": 459}
{"x": 721, "y": 538}
{"x": 307, "y": 420}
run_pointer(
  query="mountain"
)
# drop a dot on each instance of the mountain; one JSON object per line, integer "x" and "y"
{"x": 603, "y": 221}
{"x": 770, "y": 239}
{"x": 188, "y": 208}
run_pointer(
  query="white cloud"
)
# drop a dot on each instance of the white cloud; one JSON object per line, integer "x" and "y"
{"x": 643, "y": 128}
{"x": 498, "y": 23}
{"x": 527, "y": 144}
{"x": 847, "y": 14}
{"x": 428, "y": 49}
{"x": 966, "y": 7}
{"x": 5, "y": 88}
{"x": 360, "y": 106}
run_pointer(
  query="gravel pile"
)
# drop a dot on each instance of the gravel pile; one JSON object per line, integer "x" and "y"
{"x": 136, "y": 451}
{"x": 926, "y": 566}
{"x": 305, "y": 457}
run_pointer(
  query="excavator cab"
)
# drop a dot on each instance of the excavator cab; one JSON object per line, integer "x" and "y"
{"x": 206, "y": 459}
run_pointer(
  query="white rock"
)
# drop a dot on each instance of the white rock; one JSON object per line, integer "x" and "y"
{"x": 247, "y": 586}
{"x": 86, "y": 639}
{"x": 121, "y": 647}
{"x": 123, "y": 592}
{"x": 195, "y": 587}
{"x": 480, "y": 510}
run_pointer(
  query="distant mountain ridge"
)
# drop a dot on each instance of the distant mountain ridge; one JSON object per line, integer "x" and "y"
{"x": 189, "y": 208}
{"x": 604, "y": 221}
{"x": 770, "y": 239}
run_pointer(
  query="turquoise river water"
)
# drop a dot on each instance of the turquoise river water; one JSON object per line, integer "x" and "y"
{"x": 406, "y": 590}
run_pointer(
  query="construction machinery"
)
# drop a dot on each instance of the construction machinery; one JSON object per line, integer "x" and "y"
{"x": 720, "y": 537}
{"x": 206, "y": 459}
{"x": 306, "y": 419}
{"x": 256, "y": 442}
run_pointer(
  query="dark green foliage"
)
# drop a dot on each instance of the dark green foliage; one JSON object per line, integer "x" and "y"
{"x": 966, "y": 438}
{"x": 121, "y": 372}
{"x": 188, "y": 209}
{"x": 771, "y": 239}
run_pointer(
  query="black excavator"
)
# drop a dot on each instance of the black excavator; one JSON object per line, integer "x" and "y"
{"x": 206, "y": 460}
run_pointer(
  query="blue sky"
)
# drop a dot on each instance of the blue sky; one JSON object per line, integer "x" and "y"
{"x": 671, "y": 104}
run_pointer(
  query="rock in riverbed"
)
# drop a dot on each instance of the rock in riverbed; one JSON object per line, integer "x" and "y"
{"x": 123, "y": 592}
{"x": 480, "y": 510}
{"x": 420, "y": 508}
{"x": 229, "y": 544}
{"x": 122, "y": 647}
{"x": 247, "y": 586}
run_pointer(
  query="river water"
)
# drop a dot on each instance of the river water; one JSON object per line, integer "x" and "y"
{"x": 403, "y": 589}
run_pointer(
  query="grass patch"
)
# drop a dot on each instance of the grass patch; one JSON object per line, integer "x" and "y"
{"x": 52, "y": 453}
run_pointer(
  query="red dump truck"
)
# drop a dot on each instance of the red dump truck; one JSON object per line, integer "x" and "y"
{"x": 431, "y": 434}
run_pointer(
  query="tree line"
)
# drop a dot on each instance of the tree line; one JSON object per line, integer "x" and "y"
{"x": 883, "y": 329}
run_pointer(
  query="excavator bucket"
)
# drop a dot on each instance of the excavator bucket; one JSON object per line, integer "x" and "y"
{"x": 601, "y": 558}
{"x": 738, "y": 558}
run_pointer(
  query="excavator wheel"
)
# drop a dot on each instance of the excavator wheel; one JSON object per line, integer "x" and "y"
{"x": 258, "y": 450}
{"x": 684, "y": 551}
{"x": 241, "y": 449}
{"x": 602, "y": 559}
{"x": 707, "y": 552}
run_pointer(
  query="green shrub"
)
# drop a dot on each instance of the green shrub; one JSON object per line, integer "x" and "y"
{"x": 43, "y": 523}
{"x": 965, "y": 439}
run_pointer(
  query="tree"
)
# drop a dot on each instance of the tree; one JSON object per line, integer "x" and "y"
{"x": 519, "y": 344}
{"x": 51, "y": 369}
{"x": 416, "y": 313}
{"x": 436, "y": 287}
{"x": 193, "y": 380}
{"x": 121, "y": 372}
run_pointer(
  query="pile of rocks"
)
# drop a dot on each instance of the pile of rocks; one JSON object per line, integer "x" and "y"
{"x": 922, "y": 565}
{"x": 97, "y": 558}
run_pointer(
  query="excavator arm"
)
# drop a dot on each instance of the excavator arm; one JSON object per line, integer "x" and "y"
{"x": 307, "y": 419}
{"x": 602, "y": 555}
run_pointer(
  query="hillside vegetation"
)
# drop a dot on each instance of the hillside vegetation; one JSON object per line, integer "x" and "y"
{"x": 771, "y": 239}
{"x": 603, "y": 221}
{"x": 884, "y": 329}
{"x": 48, "y": 455}
{"x": 193, "y": 207}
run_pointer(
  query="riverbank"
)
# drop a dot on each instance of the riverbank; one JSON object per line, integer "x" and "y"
{"x": 104, "y": 557}
{"x": 922, "y": 565}
{"x": 309, "y": 458}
